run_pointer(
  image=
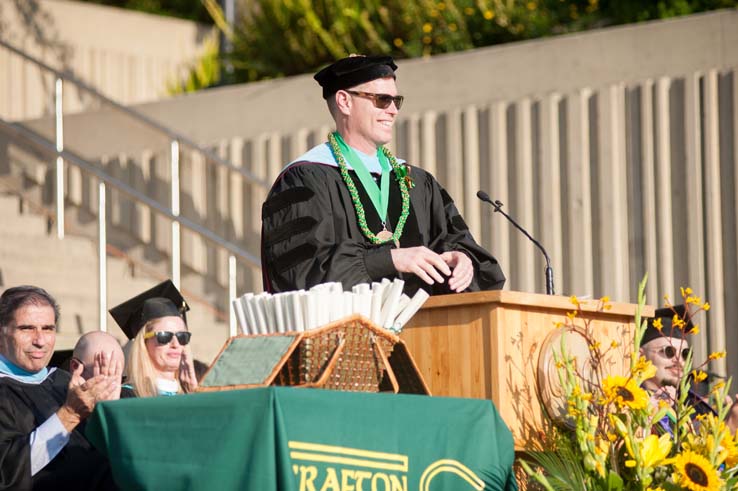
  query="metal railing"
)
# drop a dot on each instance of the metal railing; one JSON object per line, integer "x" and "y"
{"x": 176, "y": 140}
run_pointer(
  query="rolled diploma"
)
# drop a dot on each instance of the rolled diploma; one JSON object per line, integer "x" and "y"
{"x": 389, "y": 309}
{"x": 247, "y": 302}
{"x": 408, "y": 312}
{"x": 376, "y": 312}
{"x": 240, "y": 315}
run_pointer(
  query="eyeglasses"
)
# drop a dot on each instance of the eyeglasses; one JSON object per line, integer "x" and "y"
{"x": 669, "y": 352}
{"x": 164, "y": 337}
{"x": 382, "y": 101}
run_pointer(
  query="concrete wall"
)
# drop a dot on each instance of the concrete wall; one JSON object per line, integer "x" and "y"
{"x": 616, "y": 148}
{"x": 128, "y": 56}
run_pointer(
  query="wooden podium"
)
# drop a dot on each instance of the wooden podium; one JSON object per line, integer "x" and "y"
{"x": 488, "y": 345}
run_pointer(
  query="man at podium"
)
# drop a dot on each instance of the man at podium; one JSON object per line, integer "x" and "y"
{"x": 349, "y": 211}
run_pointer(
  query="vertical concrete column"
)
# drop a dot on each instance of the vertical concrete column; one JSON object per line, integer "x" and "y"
{"x": 497, "y": 187}
{"x": 141, "y": 181}
{"x": 734, "y": 91}
{"x": 198, "y": 183}
{"x": 470, "y": 171}
{"x": 236, "y": 190}
{"x": 648, "y": 190}
{"x": 74, "y": 185}
{"x": 612, "y": 219}
{"x": 274, "y": 161}
{"x": 159, "y": 189}
{"x": 550, "y": 225}
{"x": 223, "y": 211}
{"x": 663, "y": 189}
{"x": 579, "y": 272}
{"x": 522, "y": 205}
{"x": 412, "y": 155}
{"x": 298, "y": 144}
{"x": 126, "y": 169}
{"x": 713, "y": 225}
{"x": 258, "y": 167}
{"x": 452, "y": 173}
{"x": 110, "y": 165}
{"x": 695, "y": 223}
{"x": 730, "y": 313}
{"x": 428, "y": 140}
{"x": 5, "y": 98}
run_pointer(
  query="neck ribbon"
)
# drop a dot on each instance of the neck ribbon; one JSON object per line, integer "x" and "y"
{"x": 378, "y": 194}
{"x": 9, "y": 368}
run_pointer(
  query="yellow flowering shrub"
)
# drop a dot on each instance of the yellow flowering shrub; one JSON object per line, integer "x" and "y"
{"x": 618, "y": 437}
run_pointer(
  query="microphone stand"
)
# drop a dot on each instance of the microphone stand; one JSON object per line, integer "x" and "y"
{"x": 497, "y": 205}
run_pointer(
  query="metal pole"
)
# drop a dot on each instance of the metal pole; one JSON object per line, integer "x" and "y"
{"x": 174, "y": 159}
{"x": 231, "y": 293}
{"x": 102, "y": 257}
{"x": 59, "y": 125}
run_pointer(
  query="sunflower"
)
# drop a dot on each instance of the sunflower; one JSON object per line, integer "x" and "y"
{"x": 695, "y": 473}
{"x": 624, "y": 392}
{"x": 703, "y": 441}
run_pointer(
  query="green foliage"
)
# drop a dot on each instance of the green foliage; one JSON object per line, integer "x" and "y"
{"x": 204, "y": 73}
{"x": 564, "y": 467}
{"x": 275, "y": 38}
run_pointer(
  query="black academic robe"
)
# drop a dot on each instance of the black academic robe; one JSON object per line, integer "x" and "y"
{"x": 310, "y": 234}
{"x": 23, "y": 407}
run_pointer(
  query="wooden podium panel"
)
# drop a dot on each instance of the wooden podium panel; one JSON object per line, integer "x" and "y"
{"x": 487, "y": 345}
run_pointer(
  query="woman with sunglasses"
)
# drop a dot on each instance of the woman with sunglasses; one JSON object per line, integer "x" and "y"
{"x": 159, "y": 360}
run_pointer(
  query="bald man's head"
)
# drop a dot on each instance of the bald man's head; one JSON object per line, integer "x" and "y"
{"x": 90, "y": 344}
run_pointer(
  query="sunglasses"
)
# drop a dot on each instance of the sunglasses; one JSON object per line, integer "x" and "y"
{"x": 164, "y": 337}
{"x": 382, "y": 101}
{"x": 669, "y": 352}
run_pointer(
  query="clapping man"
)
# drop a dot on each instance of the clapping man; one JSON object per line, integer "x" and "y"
{"x": 41, "y": 408}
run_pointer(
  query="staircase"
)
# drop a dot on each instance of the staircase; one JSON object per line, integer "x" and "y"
{"x": 67, "y": 269}
{"x": 156, "y": 224}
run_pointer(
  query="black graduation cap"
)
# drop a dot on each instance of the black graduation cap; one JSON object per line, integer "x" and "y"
{"x": 163, "y": 300}
{"x": 666, "y": 314}
{"x": 352, "y": 71}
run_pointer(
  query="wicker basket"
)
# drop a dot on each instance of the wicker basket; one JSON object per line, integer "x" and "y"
{"x": 351, "y": 354}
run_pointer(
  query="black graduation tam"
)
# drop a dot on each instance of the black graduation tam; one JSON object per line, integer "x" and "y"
{"x": 668, "y": 329}
{"x": 163, "y": 300}
{"x": 352, "y": 71}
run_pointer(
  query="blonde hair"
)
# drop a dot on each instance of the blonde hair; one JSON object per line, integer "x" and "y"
{"x": 140, "y": 370}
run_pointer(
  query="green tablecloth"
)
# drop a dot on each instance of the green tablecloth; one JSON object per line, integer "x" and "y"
{"x": 290, "y": 439}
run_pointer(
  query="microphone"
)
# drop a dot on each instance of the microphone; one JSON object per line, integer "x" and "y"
{"x": 497, "y": 205}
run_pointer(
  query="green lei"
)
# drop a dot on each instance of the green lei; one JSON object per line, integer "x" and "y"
{"x": 403, "y": 180}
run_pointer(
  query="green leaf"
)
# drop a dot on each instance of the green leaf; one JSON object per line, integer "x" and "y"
{"x": 614, "y": 482}
{"x": 562, "y": 468}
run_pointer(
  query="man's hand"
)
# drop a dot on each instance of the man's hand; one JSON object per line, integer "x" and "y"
{"x": 106, "y": 364}
{"x": 462, "y": 270}
{"x": 422, "y": 262}
{"x": 665, "y": 393}
{"x": 83, "y": 395}
{"x": 187, "y": 375}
